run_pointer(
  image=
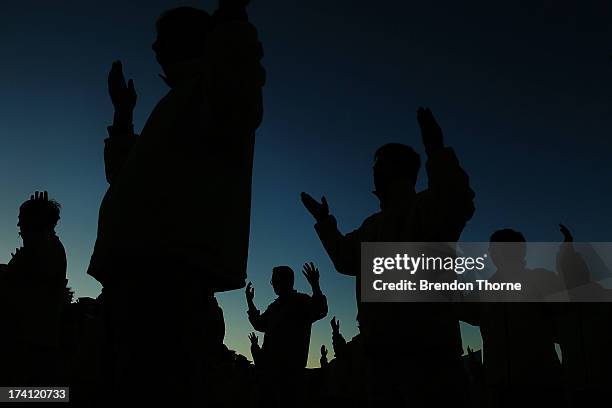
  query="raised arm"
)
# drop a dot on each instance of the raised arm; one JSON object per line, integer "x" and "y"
{"x": 318, "y": 301}
{"x": 121, "y": 136}
{"x": 338, "y": 340}
{"x": 450, "y": 200}
{"x": 236, "y": 76}
{"x": 255, "y": 349}
{"x": 258, "y": 320}
{"x": 343, "y": 250}
{"x": 571, "y": 267}
{"x": 231, "y": 10}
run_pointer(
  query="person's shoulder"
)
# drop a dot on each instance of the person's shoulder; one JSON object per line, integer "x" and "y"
{"x": 300, "y": 297}
{"x": 56, "y": 247}
{"x": 546, "y": 281}
{"x": 232, "y": 30}
{"x": 541, "y": 273}
{"x": 372, "y": 219}
{"x": 57, "y": 243}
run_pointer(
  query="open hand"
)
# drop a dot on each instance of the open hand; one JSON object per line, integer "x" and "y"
{"x": 250, "y": 292}
{"x": 40, "y": 196}
{"x": 312, "y": 274}
{"x": 318, "y": 210}
{"x": 122, "y": 95}
{"x": 253, "y": 338}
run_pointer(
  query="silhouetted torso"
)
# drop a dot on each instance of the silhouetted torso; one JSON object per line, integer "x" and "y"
{"x": 200, "y": 134}
{"x": 38, "y": 273}
{"x": 33, "y": 295}
{"x": 287, "y": 323}
{"x": 437, "y": 214}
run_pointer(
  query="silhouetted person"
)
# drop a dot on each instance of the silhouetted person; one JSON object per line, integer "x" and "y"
{"x": 33, "y": 294}
{"x": 576, "y": 275}
{"x": 346, "y": 382}
{"x": 174, "y": 223}
{"x": 407, "y": 344}
{"x": 323, "y": 359}
{"x": 585, "y": 329}
{"x": 286, "y": 323}
{"x": 520, "y": 361}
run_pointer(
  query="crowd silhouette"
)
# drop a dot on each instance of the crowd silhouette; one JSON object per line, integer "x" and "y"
{"x": 157, "y": 325}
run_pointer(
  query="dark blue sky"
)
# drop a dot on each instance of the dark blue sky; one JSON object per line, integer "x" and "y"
{"x": 522, "y": 89}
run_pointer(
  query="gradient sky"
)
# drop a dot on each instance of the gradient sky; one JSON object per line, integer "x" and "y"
{"x": 522, "y": 90}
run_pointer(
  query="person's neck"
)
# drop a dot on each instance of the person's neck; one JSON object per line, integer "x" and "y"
{"x": 286, "y": 294}
{"x": 180, "y": 72}
{"x": 510, "y": 271}
{"x": 397, "y": 199}
{"x": 38, "y": 238}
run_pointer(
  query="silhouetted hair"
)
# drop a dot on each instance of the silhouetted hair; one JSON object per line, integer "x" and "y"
{"x": 507, "y": 235}
{"x": 40, "y": 213}
{"x": 396, "y": 160}
{"x": 283, "y": 273}
{"x": 503, "y": 253}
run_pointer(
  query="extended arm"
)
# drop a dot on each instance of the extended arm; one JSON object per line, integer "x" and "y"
{"x": 236, "y": 76}
{"x": 318, "y": 302}
{"x": 450, "y": 202}
{"x": 338, "y": 340}
{"x": 343, "y": 250}
{"x": 570, "y": 265}
{"x": 255, "y": 349}
{"x": 121, "y": 137}
{"x": 258, "y": 320}
{"x": 231, "y": 10}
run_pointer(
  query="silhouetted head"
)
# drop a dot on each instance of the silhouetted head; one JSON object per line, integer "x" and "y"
{"x": 38, "y": 218}
{"x": 181, "y": 36}
{"x": 282, "y": 280}
{"x": 508, "y": 249}
{"x": 396, "y": 167}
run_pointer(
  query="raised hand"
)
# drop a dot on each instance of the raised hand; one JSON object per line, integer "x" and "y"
{"x": 312, "y": 274}
{"x": 318, "y": 210}
{"x": 40, "y": 196}
{"x": 431, "y": 132}
{"x": 335, "y": 325}
{"x": 249, "y": 292}
{"x": 567, "y": 235}
{"x": 123, "y": 96}
{"x": 253, "y": 338}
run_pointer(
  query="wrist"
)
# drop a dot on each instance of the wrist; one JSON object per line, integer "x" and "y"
{"x": 432, "y": 150}
{"x": 321, "y": 217}
{"x": 123, "y": 118}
